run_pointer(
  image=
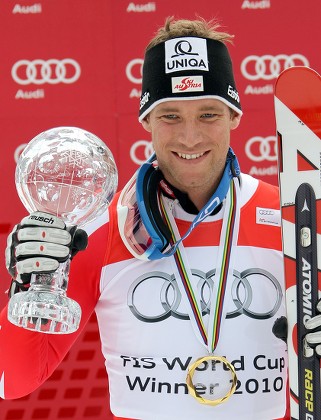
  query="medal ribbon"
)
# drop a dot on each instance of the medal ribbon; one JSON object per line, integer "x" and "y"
{"x": 228, "y": 239}
{"x": 224, "y": 269}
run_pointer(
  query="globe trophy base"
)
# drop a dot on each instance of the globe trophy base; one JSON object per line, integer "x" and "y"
{"x": 44, "y": 311}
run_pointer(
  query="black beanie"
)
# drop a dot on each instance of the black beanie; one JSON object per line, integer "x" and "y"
{"x": 188, "y": 68}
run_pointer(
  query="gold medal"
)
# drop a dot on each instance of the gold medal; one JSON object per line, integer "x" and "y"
{"x": 192, "y": 389}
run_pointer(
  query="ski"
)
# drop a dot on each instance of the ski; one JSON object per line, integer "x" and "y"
{"x": 307, "y": 294}
{"x": 297, "y": 103}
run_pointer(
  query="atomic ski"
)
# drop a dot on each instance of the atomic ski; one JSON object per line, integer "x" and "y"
{"x": 298, "y": 122}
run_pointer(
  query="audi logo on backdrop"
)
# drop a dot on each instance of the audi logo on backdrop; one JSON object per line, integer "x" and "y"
{"x": 134, "y": 70}
{"x": 259, "y": 148}
{"x": 268, "y": 67}
{"x": 166, "y": 296}
{"x": 140, "y": 151}
{"x": 52, "y": 71}
{"x": 19, "y": 149}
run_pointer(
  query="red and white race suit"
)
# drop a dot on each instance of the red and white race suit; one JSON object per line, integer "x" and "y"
{"x": 147, "y": 338}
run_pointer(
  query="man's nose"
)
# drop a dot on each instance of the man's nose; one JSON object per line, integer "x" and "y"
{"x": 191, "y": 133}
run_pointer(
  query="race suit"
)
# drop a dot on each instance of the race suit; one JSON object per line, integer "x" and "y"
{"x": 147, "y": 339}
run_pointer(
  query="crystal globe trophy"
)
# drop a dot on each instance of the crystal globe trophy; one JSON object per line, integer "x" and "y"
{"x": 70, "y": 173}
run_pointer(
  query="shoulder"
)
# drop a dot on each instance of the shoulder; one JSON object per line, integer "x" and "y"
{"x": 260, "y": 214}
{"x": 259, "y": 191}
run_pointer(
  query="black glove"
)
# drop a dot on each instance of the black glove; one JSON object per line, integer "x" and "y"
{"x": 38, "y": 245}
{"x": 280, "y": 328}
{"x": 313, "y": 338}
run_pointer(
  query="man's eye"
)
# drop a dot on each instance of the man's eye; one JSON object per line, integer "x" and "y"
{"x": 170, "y": 116}
{"x": 208, "y": 115}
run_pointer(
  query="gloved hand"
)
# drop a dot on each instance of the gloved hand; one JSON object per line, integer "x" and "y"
{"x": 38, "y": 244}
{"x": 280, "y": 328}
{"x": 313, "y": 338}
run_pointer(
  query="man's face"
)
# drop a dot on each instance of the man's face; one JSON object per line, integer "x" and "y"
{"x": 191, "y": 139}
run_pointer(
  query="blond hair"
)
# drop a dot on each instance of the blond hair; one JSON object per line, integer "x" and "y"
{"x": 184, "y": 27}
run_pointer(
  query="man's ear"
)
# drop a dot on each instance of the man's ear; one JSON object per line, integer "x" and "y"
{"x": 235, "y": 120}
{"x": 146, "y": 124}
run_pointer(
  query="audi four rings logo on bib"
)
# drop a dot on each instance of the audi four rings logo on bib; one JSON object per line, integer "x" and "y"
{"x": 259, "y": 149}
{"x": 268, "y": 67}
{"x": 39, "y": 72}
{"x": 166, "y": 292}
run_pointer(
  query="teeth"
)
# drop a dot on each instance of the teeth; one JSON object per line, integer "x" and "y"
{"x": 186, "y": 156}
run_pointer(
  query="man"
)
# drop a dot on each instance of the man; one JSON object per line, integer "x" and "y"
{"x": 185, "y": 277}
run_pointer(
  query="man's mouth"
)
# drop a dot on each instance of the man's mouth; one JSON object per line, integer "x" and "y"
{"x": 188, "y": 157}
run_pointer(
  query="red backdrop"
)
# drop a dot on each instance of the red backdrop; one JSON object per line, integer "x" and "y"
{"x": 78, "y": 63}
